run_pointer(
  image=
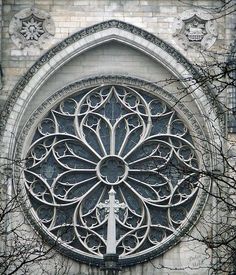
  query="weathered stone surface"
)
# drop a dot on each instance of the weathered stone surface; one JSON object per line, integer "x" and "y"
{"x": 149, "y": 20}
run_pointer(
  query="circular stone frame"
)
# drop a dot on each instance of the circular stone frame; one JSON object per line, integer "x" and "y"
{"x": 28, "y": 130}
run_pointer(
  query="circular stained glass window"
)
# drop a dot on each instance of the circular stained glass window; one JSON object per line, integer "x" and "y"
{"x": 112, "y": 168}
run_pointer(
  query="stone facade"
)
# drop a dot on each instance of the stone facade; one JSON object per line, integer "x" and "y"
{"x": 153, "y": 41}
{"x": 156, "y": 17}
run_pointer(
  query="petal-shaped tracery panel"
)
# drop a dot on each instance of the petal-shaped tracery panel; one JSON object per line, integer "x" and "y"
{"x": 112, "y": 137}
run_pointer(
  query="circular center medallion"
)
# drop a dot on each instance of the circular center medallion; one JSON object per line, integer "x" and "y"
{"x": 112, "y": 170}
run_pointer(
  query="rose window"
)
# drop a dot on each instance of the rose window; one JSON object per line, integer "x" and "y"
{"x": 112, "y": 138}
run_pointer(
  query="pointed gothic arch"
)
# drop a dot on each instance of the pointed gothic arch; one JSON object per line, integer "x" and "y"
{"x": 88, "y": 38}
{"x": 85, "y": 40}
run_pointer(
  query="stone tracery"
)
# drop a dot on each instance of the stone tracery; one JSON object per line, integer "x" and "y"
{"x": 138, "y": 135}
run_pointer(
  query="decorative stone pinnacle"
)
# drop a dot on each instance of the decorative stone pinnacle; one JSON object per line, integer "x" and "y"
{"x": 112, "y": 192}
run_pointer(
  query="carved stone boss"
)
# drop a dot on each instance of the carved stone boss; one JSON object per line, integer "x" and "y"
{"x": 195, "y": 28}
{"x": 31, "y": 27}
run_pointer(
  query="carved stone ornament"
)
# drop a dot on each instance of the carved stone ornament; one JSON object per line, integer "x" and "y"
{"x": 195, "y": 28}
{"x": 31, "y": 27}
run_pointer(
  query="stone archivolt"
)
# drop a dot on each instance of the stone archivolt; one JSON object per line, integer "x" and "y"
{"x": 100, "y": 27}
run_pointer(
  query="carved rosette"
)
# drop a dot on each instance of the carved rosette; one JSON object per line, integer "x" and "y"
{"x": 195, "y": 29}
{"x": 31, "y": 27}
